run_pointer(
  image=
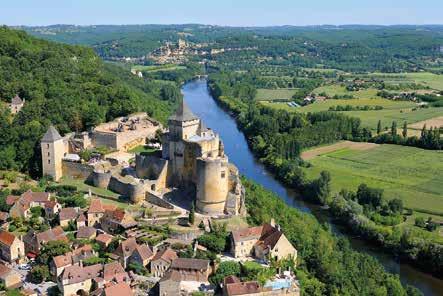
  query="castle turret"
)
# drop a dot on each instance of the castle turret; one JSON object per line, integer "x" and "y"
{"x": 53, "y": 150}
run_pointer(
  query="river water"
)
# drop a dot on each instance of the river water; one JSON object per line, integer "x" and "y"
{"x": 203, "y": 105}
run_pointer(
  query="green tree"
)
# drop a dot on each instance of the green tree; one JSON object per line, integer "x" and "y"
{"x": 405, "y": 130}
{"x": 396, "y": 205}
{"x": 191, "y": 217}
{"x": 379, "y": 128}
{"x": 420, "y": 222}
{"x": 39, "y": 273}
{"x": 394, "y": 129}
{"x": 52, "y": 249}
{"x": 224, "y": 269}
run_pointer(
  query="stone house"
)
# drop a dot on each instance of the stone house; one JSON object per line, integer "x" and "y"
{"x": 232, "y": 286}
{"x": 67, "y": 215}
{"x": 117, "y": 220}
{"x": 95, "y": 212}
{"x": 11, "y": 247}
{"x": 81, "y": 221}
{"x": 78, "y": 280}
{"x": 9, "y": 277}
{"x": 104, "y": 239}
{"x": 21, "y": 206}
{"x": 263, "y": 242}
{"x": 161, "y": 262}
{"x": 86, "y": 233}
{"x": 170, "y": 283}
{"x": 141, "y": 255}
{"x": 59, "y": 263}
{"x": 16, "y": 105}
{"x": 129, "y": 251}
{"x": 33, "y": 241}
{"x": 191, "y": 269}
{"x": 120, "y": 289}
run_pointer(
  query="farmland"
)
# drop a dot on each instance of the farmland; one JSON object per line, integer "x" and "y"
{"x": 274, "y": 94}
{"x": 157, "y": 68}
{"x": 412, "y": 174}
{"x": 336, "y": 89}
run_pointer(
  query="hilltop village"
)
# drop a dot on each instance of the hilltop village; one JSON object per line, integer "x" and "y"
{"x": 167, "y": 220}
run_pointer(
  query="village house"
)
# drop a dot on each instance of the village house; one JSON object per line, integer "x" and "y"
{"x": 21, "y": 205}
{"x": 81, "y": 221}
{"x": 120, "y": 289}
{"x": 95, "y": 212}
{"x": 9, "y": 277}
{"x": 129, "y": 251}
{"x": 191, "y": 269}
{"x": 11, "y": 247}
{"x": 3, "y": 217}
{"x": 263, "y": 242}
{"x": 233, "y": 286}
{"x": 117, "y": 220}
{"x": 86, "y": 233}
{"x": 16, "y": 105}
{"x": 78, "y": 280}
{"x": 67, "y": 215}
{"x": 34, "y": 241}
{"x": 104, "y": 239}
{"x": 161, "y": 262}
{"x": 59, "y": 263}
{"x": 169, "y": 284}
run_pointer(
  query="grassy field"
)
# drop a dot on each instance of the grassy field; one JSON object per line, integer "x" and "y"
{"x": 154, "y": 68}
{"x": 335, "y": 89}
{"x": 274, "y": 94}
{"x": 431, "y": 80}
{"x": 392, "y": 111}
{"x": 412, "y": 174}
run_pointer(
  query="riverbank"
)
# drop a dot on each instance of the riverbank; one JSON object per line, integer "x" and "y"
{"x": 199, "y": 100}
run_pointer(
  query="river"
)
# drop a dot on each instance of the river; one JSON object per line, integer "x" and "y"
{"x": 203, "y": 105}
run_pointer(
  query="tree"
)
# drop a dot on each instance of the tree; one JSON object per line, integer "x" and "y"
{"x": 405, "y": 130}
{"x": 396, "y": 205}
{"x": 420, "y": 222}
{"x": 322, "y": 187}
{"x": 52, "y": 249}
{"x": 431, "y": 225}
{"x": 394, "y": 129}
{"x": 379, "y": 129}
{"x": 224, "y": 269}
{"x": 191, "y": 218}
{"x": 39, "y": 273}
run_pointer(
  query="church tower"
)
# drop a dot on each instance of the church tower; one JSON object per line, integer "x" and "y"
{"x": 53, "y": 150}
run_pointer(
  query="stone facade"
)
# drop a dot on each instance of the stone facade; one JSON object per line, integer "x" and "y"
{"x": 12, "y": 248}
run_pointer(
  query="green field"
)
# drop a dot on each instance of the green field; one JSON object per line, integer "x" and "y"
{"x": 154, "y": 68}
{"x": 431, "y": 80}
{"x": 335, "y": 89}
{"x": 275, "y": 94}
{"x": 412, "y": 174}
{"x": 399, "y": 111}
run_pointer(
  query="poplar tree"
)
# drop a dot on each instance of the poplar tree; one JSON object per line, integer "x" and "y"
{"x": 379, "y": 127}
{"x": 405, "y": 130}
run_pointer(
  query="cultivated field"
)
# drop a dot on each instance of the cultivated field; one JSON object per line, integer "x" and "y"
{"x": 275, "y": 94}
{"x": 335, "y": 89}
{"x": 433, "y": 122}
{"x": 314, "y": 152}
{"x": 431, "y": 80}
{"x": 412, "y": 174}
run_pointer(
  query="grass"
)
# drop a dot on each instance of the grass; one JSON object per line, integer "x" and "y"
{"x": 154, "y": 68}
{"x": 274, "y": 94}
{"x": 335, "y": 89}
{"x": 431, "y": 80}
{"x": 412, "y": 174}
{"x": 399, "y": 111}
{"x": 142, "y": 148}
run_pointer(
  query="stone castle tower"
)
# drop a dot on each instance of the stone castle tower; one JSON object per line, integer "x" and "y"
{"x": 53, "y": 150}
{"x": 196, "y": 158}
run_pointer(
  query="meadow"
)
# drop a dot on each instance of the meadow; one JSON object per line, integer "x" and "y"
{"x": 412, "y": 174}
{"x": 274, "y": 94}
{"x": 155, "y": 68}
{"x": 399, "y": 111}
{"x": 336, "y": 89}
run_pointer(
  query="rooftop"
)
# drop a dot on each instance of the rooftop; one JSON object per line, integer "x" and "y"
{"x": 183, "y": 113}
{"x": 51, "y": 135}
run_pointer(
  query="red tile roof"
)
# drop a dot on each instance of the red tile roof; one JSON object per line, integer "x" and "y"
{"x": 86, "y": 232}
{"x": 6, "y": 238}
{"x": 121, "y": 289}
{"x": 76, "y": 274}
{"x": 67, "y": 214}
{"x": 167, "y": 255}
{"x": 4, "y": 270}
{"x": 114, "y": 271}
{"x": 104, "y": 238}
{"x": 244, "y": 288}
{"x": 96, "y": 206}
{"x": 190, "y": 263}
{"x": 53, "y": 234}
{"x": 144, "y": 252}
{"x": 11, "y": 199}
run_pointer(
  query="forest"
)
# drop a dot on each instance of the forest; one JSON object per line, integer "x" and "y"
{"x": 67, "y": 86}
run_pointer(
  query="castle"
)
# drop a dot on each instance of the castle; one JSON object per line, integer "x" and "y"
{"x": 192, "y": 160}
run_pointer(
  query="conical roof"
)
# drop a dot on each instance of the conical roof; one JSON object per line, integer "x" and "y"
{"x": 51, "y": 135}
{"x": 16, "y": 100}
{"x": 183, "y": 113}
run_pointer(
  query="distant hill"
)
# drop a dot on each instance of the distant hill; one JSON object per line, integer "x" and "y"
{"x": 68, "y": 86}
{"x": 348, "y": 47}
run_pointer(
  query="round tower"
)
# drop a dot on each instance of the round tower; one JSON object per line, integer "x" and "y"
{"x": 212, "y": 185}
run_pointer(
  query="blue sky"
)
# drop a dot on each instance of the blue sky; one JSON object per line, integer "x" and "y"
{"x": 221, "y": 12}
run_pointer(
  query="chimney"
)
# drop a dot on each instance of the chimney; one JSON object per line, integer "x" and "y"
{"x": 272, "y": 222}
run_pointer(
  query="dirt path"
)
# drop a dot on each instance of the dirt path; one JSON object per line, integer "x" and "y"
{"x": 312, "y": 153}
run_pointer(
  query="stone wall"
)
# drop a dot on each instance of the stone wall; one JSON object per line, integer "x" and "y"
{"x": 134, "y": 191}
{"x": 103, "y": 139}
{"x": 101, "y": 179}
{"x": 77, "y": 170}
{"x": 155, "y": 200}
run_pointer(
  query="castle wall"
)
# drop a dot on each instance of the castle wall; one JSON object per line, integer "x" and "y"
{"x": 153, "y": 168}
{"x": 101, "y": 179}
{"x": 212, "y": 185}
{"x": 134, "y": 191}
{"x": 155, "y": 200}
{"x": 103, "y": 139}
